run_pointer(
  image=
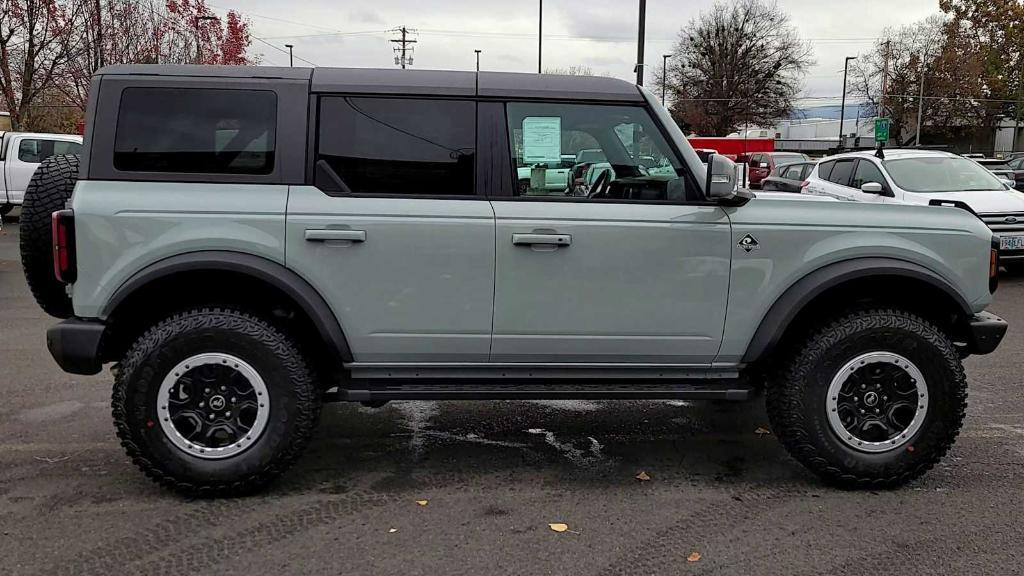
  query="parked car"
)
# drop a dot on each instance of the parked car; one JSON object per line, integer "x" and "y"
{"x": 556, "y": 178}
{"x": 303, "y": 236}
{"x": 788, "y": 177}
{"x": 926, "y": 177}
{"x": 762, "y": 164}
{"x": 1000, "y": 168}
{"x": 1017, "y": 165}
{"x": 20, "y": 155}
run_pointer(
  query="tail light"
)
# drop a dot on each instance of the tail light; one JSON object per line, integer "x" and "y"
{"x": 804, "y": 184}
{"x": 993, "y": 265}
{"x": 62, "y": 226}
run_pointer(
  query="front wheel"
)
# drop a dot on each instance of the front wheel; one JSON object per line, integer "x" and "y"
{"x": 214, "y": 402}
{"x": 873, "y": 399}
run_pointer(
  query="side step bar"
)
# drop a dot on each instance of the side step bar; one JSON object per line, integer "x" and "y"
{"x": 557, "y": 390}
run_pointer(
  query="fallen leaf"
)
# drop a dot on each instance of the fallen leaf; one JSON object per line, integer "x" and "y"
{"x": 762, "y": 431}
{"x": 559, "y": 527}
{"x": 642, "y": 476}
{"x": 421, "y": 502}
{"x": 693, "y": 557}
{"x": 392, "y": 530}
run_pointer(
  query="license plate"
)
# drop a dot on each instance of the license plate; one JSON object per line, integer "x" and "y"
{"x": 1011, "y": 242}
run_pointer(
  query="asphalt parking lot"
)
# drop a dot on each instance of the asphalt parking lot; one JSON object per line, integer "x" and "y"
{"x": 494, "y": 475}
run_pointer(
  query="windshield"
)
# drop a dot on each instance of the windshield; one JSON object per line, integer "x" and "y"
{"x": 931, "y": 175}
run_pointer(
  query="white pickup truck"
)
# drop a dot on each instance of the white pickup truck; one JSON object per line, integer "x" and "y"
{"x": 20, "y": 155}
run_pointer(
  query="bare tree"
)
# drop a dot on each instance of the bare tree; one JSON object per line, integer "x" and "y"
{"x": 928, "y": 51}
{"x": 740, "y": 62}
{"x": 33, "y": 51}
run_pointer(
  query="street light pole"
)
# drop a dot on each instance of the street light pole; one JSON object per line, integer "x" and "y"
{"x": 842, "y": 106}
{"x": 664, "y": 75}
{"x": 291, "y": 61}
{"x": 540, "y": 33}
{"x": 640, "y": 43}
{"x": 199, "y": 42}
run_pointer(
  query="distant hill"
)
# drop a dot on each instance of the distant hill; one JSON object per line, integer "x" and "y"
{"x": 827, "y": 111}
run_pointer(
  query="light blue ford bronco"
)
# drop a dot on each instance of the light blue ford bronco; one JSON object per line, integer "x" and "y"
{"x": 244, "y": 244}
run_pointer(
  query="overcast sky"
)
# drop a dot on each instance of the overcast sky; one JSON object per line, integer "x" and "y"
{"x": 600, "y": 34}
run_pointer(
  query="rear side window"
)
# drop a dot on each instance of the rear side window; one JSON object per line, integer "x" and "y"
{"x": 825, "y": 169}
{"x": 194, "y": 130}
{"x": 399, "y": 146}
{"x": 35, "y": 150}
{"x": 841, "y": 173}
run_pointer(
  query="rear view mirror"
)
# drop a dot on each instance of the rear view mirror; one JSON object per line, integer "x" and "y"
{"x": 721, "y": 177}
{"x": 871, "y": 188}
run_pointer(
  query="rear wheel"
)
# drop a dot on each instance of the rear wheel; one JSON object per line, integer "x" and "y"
{"x": 873, "y": 399}
{"x": 214, "y": 401}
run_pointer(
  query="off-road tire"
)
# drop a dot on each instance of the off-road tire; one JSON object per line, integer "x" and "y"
{"x": 796, "y": 398}
{"x": 48, "y": 191}
{"x": 295, "y": 401}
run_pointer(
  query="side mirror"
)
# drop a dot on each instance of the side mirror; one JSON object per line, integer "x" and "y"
{"x": 721, "y": 177}
{"x": 871, "y": 188}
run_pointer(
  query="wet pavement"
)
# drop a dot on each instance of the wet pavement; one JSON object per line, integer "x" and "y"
{"x": 494, "y": 475}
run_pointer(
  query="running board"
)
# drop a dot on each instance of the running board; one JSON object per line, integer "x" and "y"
{"x": 559, "y": 390}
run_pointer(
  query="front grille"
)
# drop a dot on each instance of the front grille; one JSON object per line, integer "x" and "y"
{"x": 996, "y": 221}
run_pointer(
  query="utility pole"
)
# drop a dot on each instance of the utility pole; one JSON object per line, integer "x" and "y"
{"x": 199, "y": 40}
{"x": 540, "y": 33}
{"x": 885, "y": 77}
{"x": 664, "y": 76}
{"x": 404, "y": 42}
{"x": 640, "y": 44}
{"x": 1020, "y": 93}
{"x": 920, "y": 101}
{"x": 99, "y": 34}
{"x": 842, "y": 106}
{"x": 291, "y": 60}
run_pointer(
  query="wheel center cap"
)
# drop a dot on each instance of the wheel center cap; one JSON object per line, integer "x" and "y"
{"x": 870, "y": 399}
{"x": 217, "y": 402}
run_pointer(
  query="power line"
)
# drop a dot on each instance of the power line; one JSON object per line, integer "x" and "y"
{"x": 283, "y": 51}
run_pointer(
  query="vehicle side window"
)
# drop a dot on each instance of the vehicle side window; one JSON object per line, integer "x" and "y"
{"x": 793, "y": 172}
{"x": 825, "y": 169}
{"x": 31, "y": 150}
{"x": 756, "y": 159}
{"x": 35, "y": 150}
{"x": 806, "y": 171}
{"x": 621, "y": 154}
{"x": 867, "y": 172}
{"x": 194, "y": 130}
{"x": 399, "y": 146}
{"x": 841, "y": 173}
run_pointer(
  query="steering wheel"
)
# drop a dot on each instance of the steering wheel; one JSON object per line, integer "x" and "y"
{"x": 600, "y": 184}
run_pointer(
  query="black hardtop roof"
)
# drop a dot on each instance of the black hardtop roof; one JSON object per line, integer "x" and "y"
{"x": 408, "y": 82}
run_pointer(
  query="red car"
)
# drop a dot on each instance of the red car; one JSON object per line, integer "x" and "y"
{"x": 761, "y": 164}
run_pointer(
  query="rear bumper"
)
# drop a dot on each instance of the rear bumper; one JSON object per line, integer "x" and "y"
{"x": 987, "y": 332}
{"x": 75, "y": 345}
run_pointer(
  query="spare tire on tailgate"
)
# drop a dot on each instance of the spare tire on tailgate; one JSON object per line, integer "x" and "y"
{"x": 47, "y": 192}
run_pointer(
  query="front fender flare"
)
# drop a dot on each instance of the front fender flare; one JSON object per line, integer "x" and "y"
{"x": 792, "y": 301}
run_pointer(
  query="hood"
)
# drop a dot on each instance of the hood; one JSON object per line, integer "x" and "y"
{"x": 981, "y": 202}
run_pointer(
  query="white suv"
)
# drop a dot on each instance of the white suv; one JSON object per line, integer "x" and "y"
{"x": 922, "y": 177}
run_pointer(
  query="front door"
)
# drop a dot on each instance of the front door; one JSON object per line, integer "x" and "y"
{"x": 393, "y": 234}
{"x": 634, "y": 269}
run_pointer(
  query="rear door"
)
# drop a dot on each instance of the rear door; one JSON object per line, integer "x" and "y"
{"x": 633, "y": 272}
{"x": 392, "y": 231}
{"x": 23, "y": 157}
{"x": 837, "y": 183}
